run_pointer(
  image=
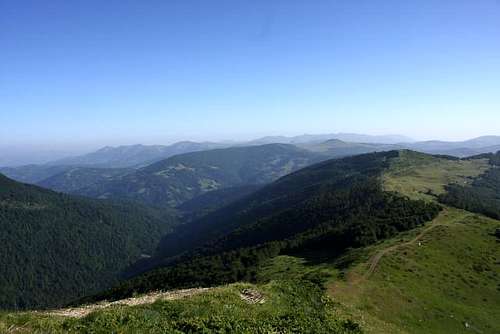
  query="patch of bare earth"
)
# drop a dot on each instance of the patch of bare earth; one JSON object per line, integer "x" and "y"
{"x": 81, "y": 311}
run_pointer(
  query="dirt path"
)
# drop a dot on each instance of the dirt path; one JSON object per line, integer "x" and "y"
{"x": 81, "y": 311}
{"x": 375, "y": 260}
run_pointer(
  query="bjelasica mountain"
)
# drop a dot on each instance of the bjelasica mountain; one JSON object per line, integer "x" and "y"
{"x": 56, "y": 247}
{"x": 331, "y": 213}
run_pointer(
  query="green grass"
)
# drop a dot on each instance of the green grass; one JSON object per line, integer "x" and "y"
{"x": 421, "y": 176}
{"x": 291, "y": 306}
{"x": 449, "y": 280}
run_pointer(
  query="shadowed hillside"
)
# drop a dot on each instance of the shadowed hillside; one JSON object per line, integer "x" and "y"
{"x": 56, "y": 247}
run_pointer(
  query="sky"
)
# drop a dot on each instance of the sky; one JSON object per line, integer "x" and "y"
{"x": 76, "y": 75}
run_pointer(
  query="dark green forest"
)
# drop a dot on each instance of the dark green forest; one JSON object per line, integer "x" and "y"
{"x": 56, "y": 248}
{"x": 483, "y": 195}
{"x": 333, "y": 205}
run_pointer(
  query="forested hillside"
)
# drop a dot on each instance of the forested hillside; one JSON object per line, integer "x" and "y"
{"x": 482, "y": 195}
{"x": 332, "y": 205}
{"x": 32, "y": 173}
{"x": 56, "y": 247}
{"x": 76, "y": 178}
{"x": 182, "y": 177}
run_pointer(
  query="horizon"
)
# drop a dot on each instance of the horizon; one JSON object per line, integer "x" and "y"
{"x": 15, "y": 156}
{"x": 83, "y": 75}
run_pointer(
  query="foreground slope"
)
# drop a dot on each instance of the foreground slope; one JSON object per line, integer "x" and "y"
{"x": 56, "y": 248}
{"x": 281, "y": 306}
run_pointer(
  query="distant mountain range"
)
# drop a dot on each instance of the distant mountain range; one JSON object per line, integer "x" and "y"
{"x": 347, "y": 137}
{"x": 335, "y": 148}
{"x": 58, "y": 174}
{"x": 485, "y": 144}
{"x": 172, "y": 181}
{"x": 134, "y": 155}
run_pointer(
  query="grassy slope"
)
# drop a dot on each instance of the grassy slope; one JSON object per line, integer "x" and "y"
{"x": 433, "y": 279}
{"x": 449, "y": 279}
{"x": 291, "y": 306}
{"x": 435, "y": 287}
{"x": 420, "y": 176}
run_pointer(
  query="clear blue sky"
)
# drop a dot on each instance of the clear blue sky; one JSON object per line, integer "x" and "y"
{"x": 93, "y": 73}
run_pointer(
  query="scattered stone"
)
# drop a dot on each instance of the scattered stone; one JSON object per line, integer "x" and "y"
{"x": 252, "y": 296}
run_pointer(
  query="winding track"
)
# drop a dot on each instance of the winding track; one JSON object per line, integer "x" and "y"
{"x": 375, "y": 259}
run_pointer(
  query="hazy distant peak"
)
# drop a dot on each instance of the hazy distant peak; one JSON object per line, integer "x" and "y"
{"x": 346, "y": 137}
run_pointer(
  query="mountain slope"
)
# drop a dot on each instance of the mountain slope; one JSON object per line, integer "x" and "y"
{"x": 77, "y": 178}
{"x": 335, "y": 148}
{"x": 32, "y": 173}
{"x": 485, "y": 144}
{"x": 177, "y": 179}
{"x": 347, "y": 137}
{"x": 134, "y": 155}
{"x": 56, "y": 248}
{"x": 439, "y": 279}
{"x": 332, "y": 205}
{"x": 362, "y": 263}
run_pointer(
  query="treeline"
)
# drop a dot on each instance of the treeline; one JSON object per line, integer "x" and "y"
{"x": 341, "y": 212}
{"x": 483, "y": 195}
